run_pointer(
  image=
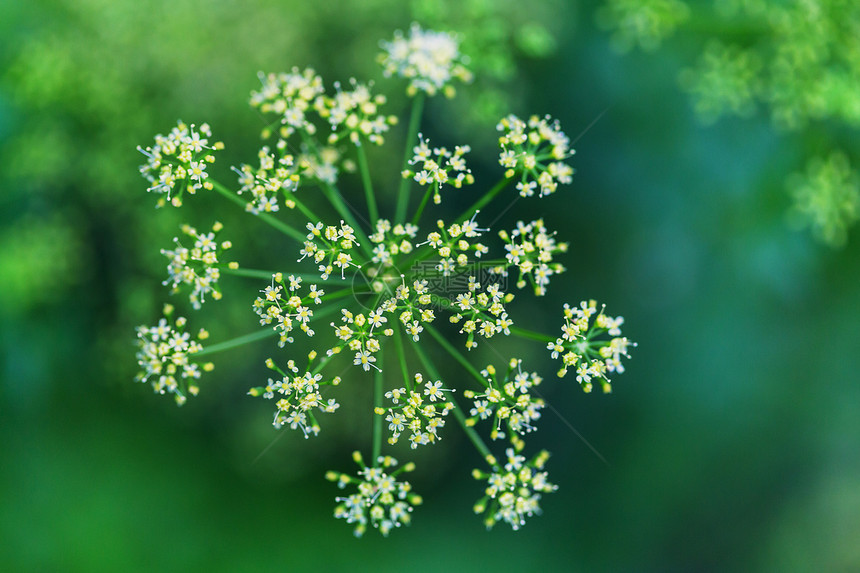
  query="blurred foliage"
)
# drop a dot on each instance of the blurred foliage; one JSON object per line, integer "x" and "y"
{"x": 799, "y": 59}
{"x": 641, "y": 23}
{"x": 827, "y": 197}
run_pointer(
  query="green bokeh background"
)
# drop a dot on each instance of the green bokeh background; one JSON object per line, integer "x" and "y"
{"x": 731, "y": 441}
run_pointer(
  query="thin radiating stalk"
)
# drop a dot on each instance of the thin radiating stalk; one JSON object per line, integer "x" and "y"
{"x": 259, "y": 274}
{"x": 368, "y": 185}
{"x": 332, "y": 194}
{"x": 377, "y": 419}
{"x": 522, "y": 332}
{"x": 233, "y": 343}
{"x": 313, "y": 217}
{"x": 401, "y": 354}
{"x": 422, "y": 205}
{"x": 279, "y": 225}
{"x": 456, "y": 354}
{"x": 488, "y": 196}
{"x": 458, "y": 413}
{"x": 412, "y": 133}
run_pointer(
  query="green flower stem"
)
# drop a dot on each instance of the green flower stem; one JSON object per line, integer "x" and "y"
{"x": 268, "y": 218}
{"x": 488, "y": 196}
{"x": 377, "y": 419}
{"x": 523, "y": 333}
{"x": 258, "y": 274}
{"x": 458, "y": 413}
{"x": 322, "y": 364}
{"x": 338, "y": 294}
{"x": 334, "y": 197}
{"x": 368, "y": 185}
{"x": 401, "y": 354}
{"x": 456, "y": 354}
{"x": 252, "y": 273}
{"x": 422, "y": 205}
{"x": 238, "y": 341}
{"x": 305, "y": 210}
{"x": 411, "y": 134}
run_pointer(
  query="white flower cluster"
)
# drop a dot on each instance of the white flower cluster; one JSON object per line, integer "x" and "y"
{"x": 354, "y": 114}
{"x": 530, "y": 247}
{"x": 482, "y": 312}
{"x": 275, "y": 174}
{"x": 298, "y": 396}
{"x": 391, "y": 241}
{"x": 514, "y": 493}
{"x": 178, "y": 161}
{"x": 164, "y": 354}
{"x": 275, "y": 307}
{"x": 429, "y": 60}
{"x": 197, "y": 266}
{"x": 290, "y": 96}
{"x": 405, "y": 280}
{"x": 577, "y": 346}
{"x": 535, "y": 150}
{"x": 411, "y": 412}
{"x": 410, "y": 305}
{"x": 381, "y": 500}
{"x": 356, "y": 333}
{"x": 451, "y": 244}
{"x": 507, "y": 399}
{"x": 323, "y": 164}
{"x": 439, "y": 166}
{"x": 329, "y": 244}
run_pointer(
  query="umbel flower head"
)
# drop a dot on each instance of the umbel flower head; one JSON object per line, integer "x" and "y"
{"x": 381, "y": 500}
{"x": 390, "y": 304}
{"x": 531, "y": 248}
{"x": 535, "y": 150}
{"x": 197, "y": 266}
{"x": 580, "y": 348}
{"x": 298, "y": 395}
{"x": 439, "y": 166}
{"x": 177, "y": 162}
{"x": 429, "y": 60}
{"x": 514, "y": 490}
{"x": 507, "y": 399}
{"x": 165, "y": 355}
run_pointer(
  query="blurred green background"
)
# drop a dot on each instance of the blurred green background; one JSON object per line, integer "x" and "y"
{"x": 731, "y": 441}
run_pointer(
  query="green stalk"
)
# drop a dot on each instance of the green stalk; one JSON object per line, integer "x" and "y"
{"x": 313, "y": 217}
{"x": 368, "y": 185}
{"x": 251, "y": 273}
{"x": 401, "y": 354}
{"x": 488, "y": 196}
{"x": 267, "y": 217}
{"x": 258, "y": 274}
{"x": 456, "y": 354}
{"x": 322, "y": 364}
{"x": 411, "y": 134}
{"x": 377, "y": 419}
{"x": 423, "y": 204}
{"x": 238, "y": 341}
{"x": 458, "y": 413}
{"x": 338, "y": 294}
{"x": 522, "y": 332}
{"x": 332, "y": 194}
